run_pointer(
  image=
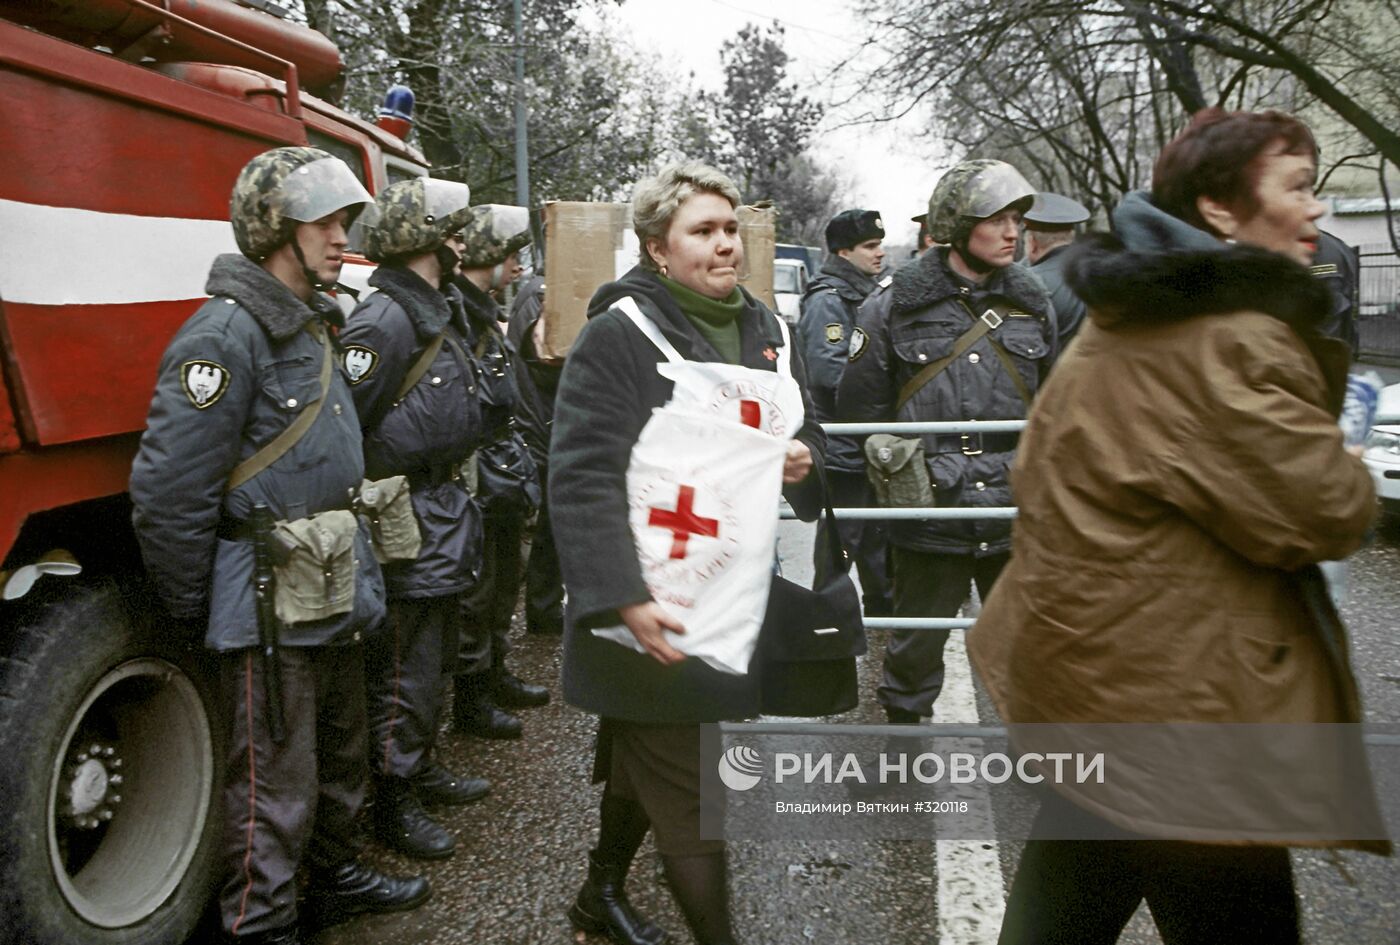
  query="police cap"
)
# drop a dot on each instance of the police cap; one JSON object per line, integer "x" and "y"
{"x": 1054, "y": 212}
{"x": 853, "y": 227}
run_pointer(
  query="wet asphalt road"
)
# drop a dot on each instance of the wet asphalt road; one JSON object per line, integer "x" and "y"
{"x": 522, "y": 850}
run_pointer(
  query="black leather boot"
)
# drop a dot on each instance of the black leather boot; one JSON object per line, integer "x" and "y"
{"x": 901, "y": 716}
{"x": 512, "y": 692}
{"x": 602, "y": 907}
{"x": 352, "y": 888}
{"x": 473, "y": 712}
{"x": 401, "y": 824}
{"x": 436, "y": 785}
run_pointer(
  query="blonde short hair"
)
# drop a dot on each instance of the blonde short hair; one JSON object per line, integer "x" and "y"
{"x": 656, "y": 199}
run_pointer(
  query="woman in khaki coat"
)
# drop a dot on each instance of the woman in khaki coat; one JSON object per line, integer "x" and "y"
{"x": 1180, "y": 477}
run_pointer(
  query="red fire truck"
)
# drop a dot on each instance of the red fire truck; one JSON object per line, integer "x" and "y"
{"x": 125, "y": 125}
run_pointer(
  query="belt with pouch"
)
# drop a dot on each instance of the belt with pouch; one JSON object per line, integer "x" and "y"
{"x": 239, "y": 529}
{"x": 971, "y": 444}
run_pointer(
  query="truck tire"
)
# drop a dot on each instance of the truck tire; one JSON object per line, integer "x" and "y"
{"x": 109, "y": 777}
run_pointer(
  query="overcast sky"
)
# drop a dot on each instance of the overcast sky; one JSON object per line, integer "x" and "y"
{"x": 888, "y": 167}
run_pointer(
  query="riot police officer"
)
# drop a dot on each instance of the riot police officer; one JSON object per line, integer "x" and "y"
{"x": 508, "y": 484}
{"x": 415, "y": 385}
{"x": 963, "y": 334}
{"x": 250, "y": 423}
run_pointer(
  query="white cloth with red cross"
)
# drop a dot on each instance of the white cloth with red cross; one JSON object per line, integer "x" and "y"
{"x": 703, "y": 484}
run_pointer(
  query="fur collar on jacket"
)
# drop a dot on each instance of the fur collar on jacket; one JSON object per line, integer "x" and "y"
{"x": 1122, "y": 286}
{"x": 425, "y": 306}
{"x": 930, "y": 281}
{"x": 272, "y": 305}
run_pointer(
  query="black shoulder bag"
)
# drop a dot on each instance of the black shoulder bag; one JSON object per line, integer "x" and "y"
{"x": 807, "y": 648}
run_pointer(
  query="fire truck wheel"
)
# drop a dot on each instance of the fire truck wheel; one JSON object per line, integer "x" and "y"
{"x": 109, "y": 777}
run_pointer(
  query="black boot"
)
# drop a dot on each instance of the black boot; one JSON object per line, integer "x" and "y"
{"x": 901, "y": 716}
{"x": 401, "y": 824}
{"x": 353, "y": 888}
{"x": 701, "y": 886}
{"x": 512, "y": 692}
{"x": 473, "y": 712}
{"x": 602, "y": 907}
{"x": 436, "y": 785}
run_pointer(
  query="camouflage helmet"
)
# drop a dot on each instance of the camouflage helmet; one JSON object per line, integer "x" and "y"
{"x": 417, "y": 216}
{"x": 494, "y": 233}
{"x": 974, "y": 190}
{"x": 285, "y": 186}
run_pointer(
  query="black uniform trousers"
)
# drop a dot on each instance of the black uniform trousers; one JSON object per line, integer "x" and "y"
{"x": 544, "y": 582}
{"x": 488, "y": 607}
{"x": 294, "y": 802}
{"x": 865, "y": 541}
{"x": 405, "y": 667}
{"x": 1083, "y": 892}
{"x": 928, "y": 585}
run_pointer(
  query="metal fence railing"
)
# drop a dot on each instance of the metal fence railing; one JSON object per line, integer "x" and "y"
{"x": 1378, "y": 308}
{"x": 960, "y": 426}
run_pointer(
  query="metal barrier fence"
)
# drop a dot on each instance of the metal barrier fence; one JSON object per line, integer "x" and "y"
{"x": 1378, "y": 309}
{"x": 959, "y": 426}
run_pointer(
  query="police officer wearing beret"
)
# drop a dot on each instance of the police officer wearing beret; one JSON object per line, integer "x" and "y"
{"x": 1050, "y": 226}
{"x": 415, "y": 384}
{"x": 254, "y": 362}
{"x": 508, "y": 484}
{"x": 855, "y": 256}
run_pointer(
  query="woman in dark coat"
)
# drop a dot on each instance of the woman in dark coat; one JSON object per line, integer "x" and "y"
{"x": 652, "y": 704}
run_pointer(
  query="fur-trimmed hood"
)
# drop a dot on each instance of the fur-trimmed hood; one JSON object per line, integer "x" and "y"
{"x": 274, "y": 306}
{"x": 1161, "y": 269}
{"x": 930, "y": 281}
{"x": 425, "y": 306}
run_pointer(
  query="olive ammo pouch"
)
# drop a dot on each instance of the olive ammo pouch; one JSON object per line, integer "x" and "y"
{"x": 314, "y": 561}
{"x": 896, "y": 469}
{"x": 387, "y": 506}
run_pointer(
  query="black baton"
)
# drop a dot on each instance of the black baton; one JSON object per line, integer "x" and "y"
{"x": 269, "y": 629}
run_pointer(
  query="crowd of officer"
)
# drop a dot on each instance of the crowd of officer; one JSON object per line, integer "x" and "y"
{"x": 337, "y": 505}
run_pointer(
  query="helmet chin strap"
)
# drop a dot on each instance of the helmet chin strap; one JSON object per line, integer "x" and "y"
{"x": 976, "y": 263}
{"x": 447, "y": 261}
{"x": 311, "y": 276}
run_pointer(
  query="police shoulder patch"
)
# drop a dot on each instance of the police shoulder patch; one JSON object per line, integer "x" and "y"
{"x": 835, "y": 332}
{"x": 360, "y": 362}
{"x": 204, "y": 382}
{"x": 859, "y": 342}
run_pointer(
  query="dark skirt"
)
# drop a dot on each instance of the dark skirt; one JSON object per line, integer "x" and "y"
{"x": 658, "y": 766}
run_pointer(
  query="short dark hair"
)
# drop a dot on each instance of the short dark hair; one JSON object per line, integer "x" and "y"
{"x": 1217, "y": 156}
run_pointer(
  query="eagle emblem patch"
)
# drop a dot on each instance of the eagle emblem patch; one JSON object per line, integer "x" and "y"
{"x": 204, "y": 382}
{"x": 859, "y": 342}
{"x": 834, "y": 333}
{"x": 360, "y": 362}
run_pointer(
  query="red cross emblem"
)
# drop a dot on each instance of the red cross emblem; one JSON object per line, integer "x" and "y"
{"x": 683, "y": 522}
{"x": 751, "y": 413}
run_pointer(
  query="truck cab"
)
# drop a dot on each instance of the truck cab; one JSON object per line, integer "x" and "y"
{"x": 127, "y": 123}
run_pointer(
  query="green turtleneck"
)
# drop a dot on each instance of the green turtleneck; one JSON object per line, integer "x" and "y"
{"x": 717, "y": 320}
